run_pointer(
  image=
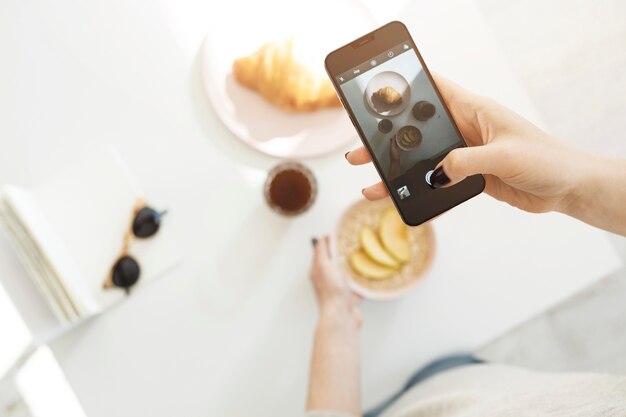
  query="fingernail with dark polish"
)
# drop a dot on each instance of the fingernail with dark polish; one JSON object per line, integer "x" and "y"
{"x": 313, "y": 241}
{"x": 439, "y": 178}
{"x": 346, "y": 155}
{"x": 363, "y": 191}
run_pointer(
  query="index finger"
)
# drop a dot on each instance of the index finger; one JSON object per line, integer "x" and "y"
{"x": 322, "y": 250}
{"x": 448, "y": 88}
{"x": 359, "y": 156}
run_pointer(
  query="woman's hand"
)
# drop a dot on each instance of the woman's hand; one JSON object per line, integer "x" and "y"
{"x": 334, "y": 296}
{"x": 522, "y": 165}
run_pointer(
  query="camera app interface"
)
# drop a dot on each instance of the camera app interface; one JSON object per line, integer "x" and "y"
{"x": 403, "y": 120}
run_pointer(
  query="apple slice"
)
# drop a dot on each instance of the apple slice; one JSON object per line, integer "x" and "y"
{"x": 365, "y": 266}
{"x": 394, "y": 235}
{"x": 374, "y": 249}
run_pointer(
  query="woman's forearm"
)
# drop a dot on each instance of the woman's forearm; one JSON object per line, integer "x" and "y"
{"x": 600, "y": 197}
{"x": 334, "y": 381}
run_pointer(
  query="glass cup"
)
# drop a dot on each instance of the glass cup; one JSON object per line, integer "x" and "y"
{"x": 290, "y": 188}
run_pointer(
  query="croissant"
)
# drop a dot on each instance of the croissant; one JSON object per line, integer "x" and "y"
{"x": 274, "y": 72}
{"x": 387, "y": 96}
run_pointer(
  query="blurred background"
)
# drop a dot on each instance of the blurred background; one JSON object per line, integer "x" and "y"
{"x": 231, "y": 324}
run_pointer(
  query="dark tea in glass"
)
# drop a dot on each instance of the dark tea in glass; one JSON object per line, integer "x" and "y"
{"x": 290, "y": 188}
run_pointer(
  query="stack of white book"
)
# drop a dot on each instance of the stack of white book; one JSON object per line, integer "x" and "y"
{"x": 68, "y": 233}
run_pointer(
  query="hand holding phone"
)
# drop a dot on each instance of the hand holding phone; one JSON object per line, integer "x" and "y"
{"x": 523, "y": 165}
{"x": 401, "y": 118}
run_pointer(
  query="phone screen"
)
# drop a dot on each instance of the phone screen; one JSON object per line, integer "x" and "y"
{"x": 406, "y": 125}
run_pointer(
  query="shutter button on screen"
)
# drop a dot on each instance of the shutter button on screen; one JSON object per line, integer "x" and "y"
{"x": 427, "y": 177}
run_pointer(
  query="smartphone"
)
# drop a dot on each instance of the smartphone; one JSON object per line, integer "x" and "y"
{"x": 395, "y": 106}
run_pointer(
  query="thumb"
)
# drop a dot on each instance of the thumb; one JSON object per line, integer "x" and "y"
{"x": 460, "y": 163}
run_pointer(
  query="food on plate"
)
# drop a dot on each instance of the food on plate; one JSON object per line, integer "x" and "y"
{"x": 423, "y": 110}
{"x": 374, "y": 249}
{"x": 385, "y": 126}
{"x": 386, "y": 97}
{"x": 275, "y": 72}
{"x": 394, "y": 235}
{"x": 408, "y": 138}
{"x": 365, "y": 266}
{"x": 373, "y": 259}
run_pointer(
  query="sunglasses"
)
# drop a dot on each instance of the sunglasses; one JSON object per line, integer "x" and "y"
{"x": 125, "y": 271}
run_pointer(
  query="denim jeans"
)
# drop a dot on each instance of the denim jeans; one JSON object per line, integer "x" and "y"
{"x": 434, "y": 368}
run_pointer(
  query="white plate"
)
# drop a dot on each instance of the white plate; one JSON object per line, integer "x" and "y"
{"x": 246, "y": 113}
{"x": 388, "y": 79}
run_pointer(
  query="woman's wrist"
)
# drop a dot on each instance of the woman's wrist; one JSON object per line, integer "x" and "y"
{"x": 577, "y": 172}
{"x": 340, "y": 313}
{"x": 588, "y": 184}
{"x": 600, "y": 195}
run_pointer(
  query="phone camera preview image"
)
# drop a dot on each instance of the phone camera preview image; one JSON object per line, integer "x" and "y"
{"x": 403, "y": 120}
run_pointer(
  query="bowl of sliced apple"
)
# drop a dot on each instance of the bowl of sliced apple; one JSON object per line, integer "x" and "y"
{"x": 382, "y": 257}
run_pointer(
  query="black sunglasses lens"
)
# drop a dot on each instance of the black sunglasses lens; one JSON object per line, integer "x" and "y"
{"x": 125, "y": 272}
{"x": 147, "y": 222}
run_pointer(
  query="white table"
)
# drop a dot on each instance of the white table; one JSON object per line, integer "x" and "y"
{"x": 229, "y": 332}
